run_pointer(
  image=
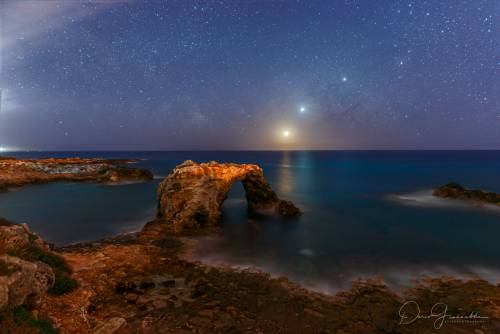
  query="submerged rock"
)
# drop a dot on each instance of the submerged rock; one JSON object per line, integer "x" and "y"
{"x": 190, "y": 198}
{"x": 456, "y": 191}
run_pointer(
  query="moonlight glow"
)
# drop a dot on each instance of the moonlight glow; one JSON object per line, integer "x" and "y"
{"x": 396, "y": 75}
{"x": 286, "y": 133}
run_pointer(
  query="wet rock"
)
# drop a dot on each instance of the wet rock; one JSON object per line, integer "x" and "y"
{"x": 288, "y": 209}
{"x": 456, "y": 191}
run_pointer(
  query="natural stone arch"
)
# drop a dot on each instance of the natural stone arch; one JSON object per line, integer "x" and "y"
{"x": 190, "y": 198}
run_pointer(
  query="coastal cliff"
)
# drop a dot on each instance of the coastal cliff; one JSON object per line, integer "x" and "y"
{"x": 18, "y": 172}
{"x": 190, "y": 198}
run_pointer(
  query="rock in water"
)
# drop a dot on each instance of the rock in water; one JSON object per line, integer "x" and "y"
{"x": 288, "y": 209}
{"x": 190, "y": 198}
{"x": 455, "y": 191}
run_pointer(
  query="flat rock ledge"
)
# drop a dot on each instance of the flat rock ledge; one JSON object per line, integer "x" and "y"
{"x": 456, "y": 191}
{"x": 190, "y": 198}
{"x": 18, "y": 172}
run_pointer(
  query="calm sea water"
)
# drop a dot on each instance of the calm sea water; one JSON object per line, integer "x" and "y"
{"x": 366, "y": 213}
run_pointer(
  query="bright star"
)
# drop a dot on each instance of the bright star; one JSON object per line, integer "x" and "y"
{"x": 302, "y": 109}
{"x": 344, "y": 79}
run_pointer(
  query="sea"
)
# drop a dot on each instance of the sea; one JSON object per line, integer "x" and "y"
{"x": 366, "y": 214}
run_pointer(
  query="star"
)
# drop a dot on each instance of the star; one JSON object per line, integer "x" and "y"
{"x": 302, "y": 109}
{"x": 344, "y": 79}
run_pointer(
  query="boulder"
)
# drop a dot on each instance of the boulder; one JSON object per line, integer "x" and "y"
{"x": 456, "y": 191}
{"x": 288, "y": 209}
{"x": 16, "y": 236}
{"x": 190, "y": 198}
{"x": 23, "y": 282}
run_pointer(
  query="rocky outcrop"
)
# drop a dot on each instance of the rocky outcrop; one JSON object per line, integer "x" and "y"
{"x": 16, "y": 172}
{"x": 190, "y": 198}
{"x": 21, "y": 282}
{"x": 456, "y": 191}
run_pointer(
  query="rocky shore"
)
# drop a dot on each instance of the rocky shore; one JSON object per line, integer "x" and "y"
{"x": 144, "y": 282}
{"x": 456, "y": 191}
{"x": 16, "y": 172}
{"x": 141, "y": 283}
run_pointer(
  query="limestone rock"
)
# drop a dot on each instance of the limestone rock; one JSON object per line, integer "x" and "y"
{"x": 24, "y": 280}
{"x": 191, "y": 196}
{"x": 15, "y": 236}
{"x": 19, "y": 172}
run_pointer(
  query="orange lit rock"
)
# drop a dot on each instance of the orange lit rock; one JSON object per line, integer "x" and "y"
{"x": 190, "y": 198}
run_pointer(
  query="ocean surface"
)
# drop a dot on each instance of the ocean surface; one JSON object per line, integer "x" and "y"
{"x": 367, "y": 214}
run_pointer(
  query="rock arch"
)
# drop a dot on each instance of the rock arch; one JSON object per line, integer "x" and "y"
{"x": 190, "y": 198}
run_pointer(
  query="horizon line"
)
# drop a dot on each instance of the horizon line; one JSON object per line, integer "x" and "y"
{"x": 252, "y": 150}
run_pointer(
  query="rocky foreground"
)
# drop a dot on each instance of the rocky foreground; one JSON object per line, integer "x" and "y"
{"x": 144, "y": 283}
{"x": 455, "y": 191}
{"x": 141, "y": 283}
{"x": 16, "y": 172}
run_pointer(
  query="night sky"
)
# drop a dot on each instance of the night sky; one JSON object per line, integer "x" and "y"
{"x": 180, "y": 75}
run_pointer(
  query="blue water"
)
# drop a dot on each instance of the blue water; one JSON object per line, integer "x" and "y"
{"x": 366, "y": 213}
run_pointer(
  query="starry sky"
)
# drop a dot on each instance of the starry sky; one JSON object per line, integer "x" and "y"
{"x": 190, "y": 75}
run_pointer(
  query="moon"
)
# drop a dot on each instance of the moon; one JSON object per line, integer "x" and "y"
{"x": 286, "y": 133}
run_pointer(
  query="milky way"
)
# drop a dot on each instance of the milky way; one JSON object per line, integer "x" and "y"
{"x": 236, "y": 74}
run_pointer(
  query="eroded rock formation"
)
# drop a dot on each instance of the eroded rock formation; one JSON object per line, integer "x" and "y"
{"x": 16, "y": 172}
{"x": 455, "y": 191}
{"x": 21, "y": 281}
{"x": 190, "y": 198}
